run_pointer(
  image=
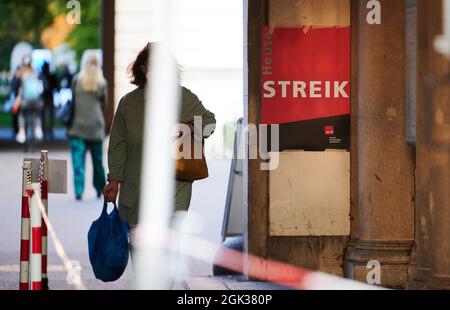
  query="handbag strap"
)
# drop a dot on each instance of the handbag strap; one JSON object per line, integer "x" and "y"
{"x": 72, "y": 108}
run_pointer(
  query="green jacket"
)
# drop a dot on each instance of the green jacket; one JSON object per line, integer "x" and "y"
{"x": 88, "y": 122}
{"x": 125, "y": 145}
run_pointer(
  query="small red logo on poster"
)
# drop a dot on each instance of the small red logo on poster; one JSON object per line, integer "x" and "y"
{"x": 329, "y": 130}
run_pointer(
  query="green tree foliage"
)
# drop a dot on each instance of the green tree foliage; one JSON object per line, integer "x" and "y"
{"x": 86, "y": 35}
{"x": 24, "y": 20}
{"x": 21, "y": 20}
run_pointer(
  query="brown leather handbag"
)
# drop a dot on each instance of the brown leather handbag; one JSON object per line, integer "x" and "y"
{"x": 191, "y": 169}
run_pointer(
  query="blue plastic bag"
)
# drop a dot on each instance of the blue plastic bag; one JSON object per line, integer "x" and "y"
{"x": 108, "y": 245}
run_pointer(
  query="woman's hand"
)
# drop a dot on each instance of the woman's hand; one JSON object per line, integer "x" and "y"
{"x": 111, "y": 190}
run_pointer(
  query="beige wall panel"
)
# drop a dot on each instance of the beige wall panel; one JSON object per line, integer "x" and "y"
{"x": 310, "y": 194}
{"x": 309, "y": 12}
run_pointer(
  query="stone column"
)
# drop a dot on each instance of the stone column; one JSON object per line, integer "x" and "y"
{"x": 437, "y": 134}
{"x": 258, "y": 180}
{"x": 428, "y": 62}
{"x": 354, "y": 216}
{"x": 384, "y": 162}
{"x": 439, "y": 190}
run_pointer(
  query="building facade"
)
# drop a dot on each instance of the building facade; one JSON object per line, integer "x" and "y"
{"x": 397, "y": 164}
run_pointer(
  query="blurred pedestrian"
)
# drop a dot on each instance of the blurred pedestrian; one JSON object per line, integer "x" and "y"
{"x": 14, "y": 86}
{"x": 125, "y": 145}
{"x": 48, "y": 111}
{"x": 28, "y": 104}
{"x": 65, "y": 80}
{"x": 87, "y": 131}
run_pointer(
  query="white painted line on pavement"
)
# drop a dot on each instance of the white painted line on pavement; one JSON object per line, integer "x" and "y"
{"x": 16, "y": 268}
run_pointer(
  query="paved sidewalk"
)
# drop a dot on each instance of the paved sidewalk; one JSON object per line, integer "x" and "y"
{"x": 226, "y": 283}
{"x": 71, "y": 220}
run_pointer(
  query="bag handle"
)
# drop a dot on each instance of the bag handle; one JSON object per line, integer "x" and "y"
{"x": 105, "y": 207}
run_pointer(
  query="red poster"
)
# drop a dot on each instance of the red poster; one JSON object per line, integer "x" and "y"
{"x": 306, "y": 73}
{"x": 306, "y": 77}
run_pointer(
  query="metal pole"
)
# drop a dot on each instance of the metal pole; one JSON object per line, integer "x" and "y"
{"x": 43, "y": 177}
{"x": 36, "y": 239}
{"x": 25, "y": 227}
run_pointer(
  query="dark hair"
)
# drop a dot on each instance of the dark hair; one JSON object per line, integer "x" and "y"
{"x": 137, "y": 77}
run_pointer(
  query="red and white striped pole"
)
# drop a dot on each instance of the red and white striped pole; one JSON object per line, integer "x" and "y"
{"x": 43, "y": 172}
{"x": 25, "y": 227}
{"x": 36, "y": 238}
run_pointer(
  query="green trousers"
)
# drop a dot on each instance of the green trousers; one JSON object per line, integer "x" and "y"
{"x": 78, "y": 149}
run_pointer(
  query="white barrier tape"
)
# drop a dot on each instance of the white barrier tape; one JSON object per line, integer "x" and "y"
{"x": 206, "y": 251}
{"x": 71, "y": 270}
{"x": 323, "y": 281}
{"x": 271, "y": 271}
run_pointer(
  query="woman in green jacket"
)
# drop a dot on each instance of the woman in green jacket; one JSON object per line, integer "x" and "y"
{"x": 87, "y": 131}
{"x": 125, "y": 146}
